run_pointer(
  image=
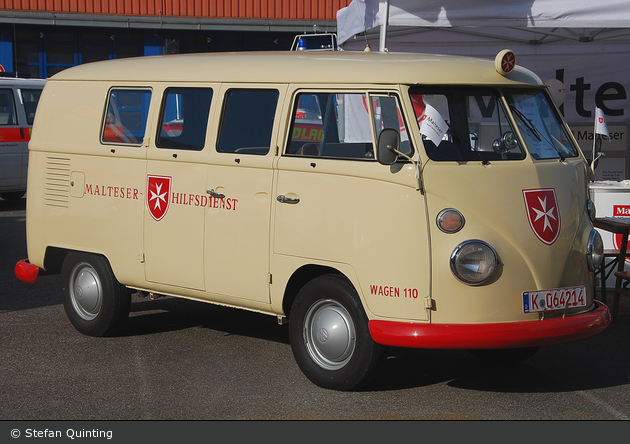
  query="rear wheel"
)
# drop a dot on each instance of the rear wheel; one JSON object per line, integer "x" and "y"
{"x": 330, "y": 337}
{"x": 95, "y": 302}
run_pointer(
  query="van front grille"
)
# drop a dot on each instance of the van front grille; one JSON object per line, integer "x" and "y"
{"x": 57, "y": 182}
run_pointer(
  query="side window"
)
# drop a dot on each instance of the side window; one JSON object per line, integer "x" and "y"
{"x": 30, "y": 97}
{"x": 126, "y": 117}
{"x": 7, "y": 108}
{"x": 247, "y": 121}
{"x": 331, "y": 125}
{"x": 184, "y": 118}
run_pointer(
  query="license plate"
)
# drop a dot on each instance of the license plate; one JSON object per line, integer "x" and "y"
{"x": 556, "y": 299}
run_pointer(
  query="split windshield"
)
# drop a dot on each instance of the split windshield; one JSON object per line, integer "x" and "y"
{"x": 471, "y": 124}
{"x": 539, "y": 125}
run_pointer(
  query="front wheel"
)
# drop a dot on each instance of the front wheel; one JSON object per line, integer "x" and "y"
{"x": 330, "y": 337}
{"x": 94, "y": 301}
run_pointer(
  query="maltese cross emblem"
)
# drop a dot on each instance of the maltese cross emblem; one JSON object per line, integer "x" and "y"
{"x": 543, "y": 213}
{"x": 158, "y": 195}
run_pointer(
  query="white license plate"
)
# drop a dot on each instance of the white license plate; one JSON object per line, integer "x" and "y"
{"x": 556, "y": 299}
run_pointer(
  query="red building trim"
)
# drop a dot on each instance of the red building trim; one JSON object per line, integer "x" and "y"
{"x": 209, "y": 9}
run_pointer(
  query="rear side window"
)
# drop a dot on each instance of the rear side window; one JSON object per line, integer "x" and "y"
{"x": 247, "y": 121}
{"x": 7, "y": 108}
{"x": 30, "y": 98}
{"x": 126, "y": 117}
{"x": 184, "y": 118}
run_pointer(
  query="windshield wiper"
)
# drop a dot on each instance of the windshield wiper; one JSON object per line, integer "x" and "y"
{"x": 532, "y": 128}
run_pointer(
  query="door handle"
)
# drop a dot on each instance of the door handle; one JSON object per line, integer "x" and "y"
{"x": 284, "y": 199}
{"x": 215, "y": 194}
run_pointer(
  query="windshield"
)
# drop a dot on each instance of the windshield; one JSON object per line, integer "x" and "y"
{"x": 464, "y": 124}
{"x": 539, "y": 125}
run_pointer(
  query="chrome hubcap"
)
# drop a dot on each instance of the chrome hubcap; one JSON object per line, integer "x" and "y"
{"x": 86, "y": 292}
{"x": 329, "y": 334}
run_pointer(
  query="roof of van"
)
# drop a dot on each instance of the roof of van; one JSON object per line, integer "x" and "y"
{"x": 310, "y": 67}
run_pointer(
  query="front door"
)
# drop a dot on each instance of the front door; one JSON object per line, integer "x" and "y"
{"x": 340, "y": 208}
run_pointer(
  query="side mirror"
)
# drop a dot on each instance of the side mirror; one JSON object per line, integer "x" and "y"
{"x": 388, "y": 146}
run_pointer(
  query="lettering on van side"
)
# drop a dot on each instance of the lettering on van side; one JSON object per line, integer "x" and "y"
{"x": 112, "y": 191}
{"x": 198, "y": 200}
{"x": 160, "y": 197}
{"x": 394, "y": 292}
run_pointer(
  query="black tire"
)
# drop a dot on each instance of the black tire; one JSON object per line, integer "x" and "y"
{"x": 505, "y": 356}
{"x": 94, "y": 301}
{"x": 341, "y": 358}
{"x": 17, "y": 195}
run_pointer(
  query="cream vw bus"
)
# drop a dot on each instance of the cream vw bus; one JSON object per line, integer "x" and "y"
{"x": 367, "y": 199}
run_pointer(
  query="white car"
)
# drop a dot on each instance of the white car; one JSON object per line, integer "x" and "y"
{"x": 18, "y": 102}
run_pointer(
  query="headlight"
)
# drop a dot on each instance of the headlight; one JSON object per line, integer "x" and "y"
{"x": 474, "y": 262}
{"x": 594, "y": 251}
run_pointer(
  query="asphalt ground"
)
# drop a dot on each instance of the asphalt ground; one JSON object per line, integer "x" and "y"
{"x": 184, "y": 360}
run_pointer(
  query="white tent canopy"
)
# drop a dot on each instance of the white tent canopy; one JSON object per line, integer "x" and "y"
{"x": 566, "y": 19}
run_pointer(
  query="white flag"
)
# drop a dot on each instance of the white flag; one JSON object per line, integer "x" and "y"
{"x": 600, "y": 128}
{"x": 432, "y": 124}
{"x": 600, "y": 123}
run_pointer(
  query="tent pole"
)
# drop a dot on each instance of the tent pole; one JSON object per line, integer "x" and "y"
{"x": 383, "y": 35}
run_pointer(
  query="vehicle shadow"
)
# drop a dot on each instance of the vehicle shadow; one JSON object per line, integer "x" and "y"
{"x": 568, "y": 367}
{"x": 166, "y": 314}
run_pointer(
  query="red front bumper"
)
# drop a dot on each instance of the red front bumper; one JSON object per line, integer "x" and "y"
{"x": 25, "y": 271}
{"x": 501, "y": 335}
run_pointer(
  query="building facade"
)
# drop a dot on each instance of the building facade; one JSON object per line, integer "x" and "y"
{"x": 39, "y": 38}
